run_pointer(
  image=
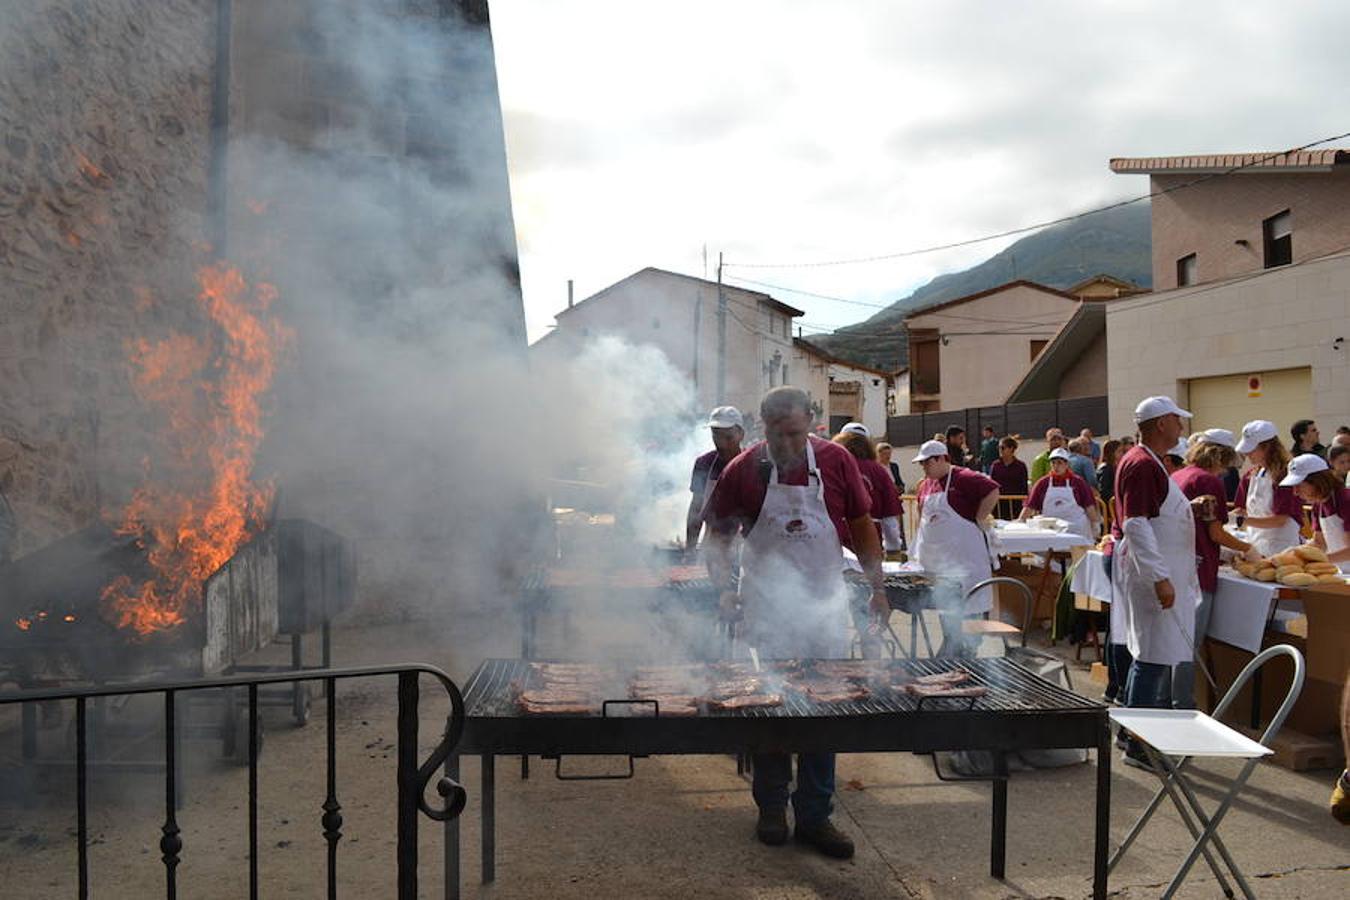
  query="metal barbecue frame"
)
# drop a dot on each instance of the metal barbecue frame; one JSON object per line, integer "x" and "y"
{"x": 1020, "y": 712}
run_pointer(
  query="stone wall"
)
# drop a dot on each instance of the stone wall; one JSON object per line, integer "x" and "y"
{"x": 104, "y": 115}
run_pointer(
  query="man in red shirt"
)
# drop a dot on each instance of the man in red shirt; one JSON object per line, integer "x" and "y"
{"x": 797, "y": 500}
{"x": 728, "y": 430}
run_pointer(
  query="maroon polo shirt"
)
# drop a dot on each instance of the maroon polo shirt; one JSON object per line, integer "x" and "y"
{"x": 1141, "y": 487}
{"x": 968, "y": 488}
{"x": 739, "y": 495}
{"x": 885, "y": 501}
{"x": 1283, "y": 501}
{"x": 1338, "y": 504}
{"x": 1082, "y": 494}
{"x": 1196, "y": 482}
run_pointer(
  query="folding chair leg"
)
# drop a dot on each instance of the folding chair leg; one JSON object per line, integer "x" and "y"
{"x": 1170, "y": 785}
{"x": 1210, "y": 833}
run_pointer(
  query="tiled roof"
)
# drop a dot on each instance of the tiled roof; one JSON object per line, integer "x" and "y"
{"x": 1308, "y": 160}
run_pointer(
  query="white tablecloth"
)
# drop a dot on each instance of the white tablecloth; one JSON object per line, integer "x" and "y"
{"x": 1242, "y": 607}
{"x": 1037, "y": 540}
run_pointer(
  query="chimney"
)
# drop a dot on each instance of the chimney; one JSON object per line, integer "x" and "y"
{"x": 569, "y": 293}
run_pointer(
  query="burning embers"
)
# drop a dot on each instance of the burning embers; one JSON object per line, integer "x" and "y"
{"x": 199, "y": 504}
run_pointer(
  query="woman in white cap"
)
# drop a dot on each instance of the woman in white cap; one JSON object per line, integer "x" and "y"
{"x": 1064, "y": 494}
{"x": 1155, "y": 588}
{"x": 1273, "y": 514}
{"x": 953, "y": 504}
{"x": 885, "y": 500}
{"x": 1315, "y": 483}
{"x": 1201, "y": 481}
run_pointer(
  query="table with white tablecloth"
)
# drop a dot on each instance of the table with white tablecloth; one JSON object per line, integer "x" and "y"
{"x": 1014, "y": 537}
{"x": 1242, "y": 607}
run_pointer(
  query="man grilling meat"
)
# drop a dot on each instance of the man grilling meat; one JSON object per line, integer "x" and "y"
{"x": 728, "y": 430}
{"x": 797, "y": 499}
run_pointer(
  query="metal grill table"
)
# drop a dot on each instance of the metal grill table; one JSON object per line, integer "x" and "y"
{"x": 1019, "y": 712}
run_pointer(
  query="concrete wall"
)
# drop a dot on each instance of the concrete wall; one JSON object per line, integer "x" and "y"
{"x": 104, "y": 112}
{"x": 1209, "y": 218}
{"x": 980, "y": 369}
{"x": 1283, "y": 319}
{"x": 873, "y": 394}
{"x": 1087, "y": 377}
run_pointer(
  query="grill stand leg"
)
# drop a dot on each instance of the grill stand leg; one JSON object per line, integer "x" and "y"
{"x": 1101, "y": 845}
{"x": 998, "y": 832}
{"x": 452, "y": 837}
{"x": 489, "y": 829}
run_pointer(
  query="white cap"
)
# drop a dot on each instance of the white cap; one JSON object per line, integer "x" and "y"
{"x": 1180, "y": 449}
{"x": 1221, "y": 436}
{"x": 726, "y": 417}
{"x": 1256, "y": 432}
{"x": 1301, "y": 466}
{"x": 1061, "y": 453}
{"x": 856, "y": 428}
{"x": 929, "y": 450}
{"x": 1153, "y": 407}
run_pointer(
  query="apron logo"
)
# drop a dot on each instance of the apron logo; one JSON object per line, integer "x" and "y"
{"x": 796, "y": 526}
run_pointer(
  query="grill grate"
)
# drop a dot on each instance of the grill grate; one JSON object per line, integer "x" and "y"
{"x": 489, "y": 694}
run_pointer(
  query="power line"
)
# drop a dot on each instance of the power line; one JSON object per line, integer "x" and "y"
{"x": 1036, "y": 227}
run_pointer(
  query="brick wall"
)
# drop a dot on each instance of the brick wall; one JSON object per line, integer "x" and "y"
{"x": 1209, "y": 218}
{"x": 104, "y": 110}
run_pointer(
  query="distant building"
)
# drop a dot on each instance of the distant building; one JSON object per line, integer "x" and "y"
{"x": 971, "y": 351}
{"x": 678, "y": 314}
{"x": 853, "y": 392}
{"x": 1251, "y": 312}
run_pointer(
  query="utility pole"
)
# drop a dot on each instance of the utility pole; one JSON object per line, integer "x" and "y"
{"x": 721, "y": 335}
{"x": 698, "y": 338}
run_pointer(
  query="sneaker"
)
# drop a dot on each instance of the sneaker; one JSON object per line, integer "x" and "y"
{"x": 826, "y": 838}
{"x": 772, "y": 828}
{"x": 1340, "y": 799}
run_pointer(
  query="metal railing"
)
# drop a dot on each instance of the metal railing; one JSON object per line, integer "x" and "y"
{"x": 412, "y": 778}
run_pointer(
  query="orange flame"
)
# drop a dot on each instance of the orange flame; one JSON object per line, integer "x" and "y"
{"x": 24, "y": 624}
{"x": 209, "y": 391}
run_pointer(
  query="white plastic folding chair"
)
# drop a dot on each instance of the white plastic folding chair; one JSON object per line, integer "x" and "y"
{"x": 1173, "y": 737}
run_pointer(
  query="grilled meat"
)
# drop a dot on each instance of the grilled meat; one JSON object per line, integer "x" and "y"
{"x": 746, "y": 701}
{"x": 945, "y": 690}
{"x": 950, "y": 677}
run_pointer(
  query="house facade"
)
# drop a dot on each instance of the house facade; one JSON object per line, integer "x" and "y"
{"x": 1250, "y": 317}
{"x": 852, "y": 392}
{"x": 971, "y": 351}
{"x": 730, "y": 358}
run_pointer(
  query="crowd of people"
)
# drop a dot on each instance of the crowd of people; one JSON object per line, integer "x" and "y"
{"x": 796, "y": 501}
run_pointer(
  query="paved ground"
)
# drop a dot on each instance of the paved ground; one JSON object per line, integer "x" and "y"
{"x": 681, "y": 828}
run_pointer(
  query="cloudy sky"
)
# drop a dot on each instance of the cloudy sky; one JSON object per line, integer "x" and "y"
{"x": 797, "y": 131}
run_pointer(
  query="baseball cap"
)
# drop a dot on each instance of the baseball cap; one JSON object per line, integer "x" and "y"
{"x": 929, "y": 450}
{"x": 1180, "y": 449}
{"x": 726, "y": 417}
{"x": 1153, "y": 407}
{"x": 1061, "y": 453}
{"x": 1301, "y": 466}
{"x": 1221, "y": 436}
{"x": 856, "y": 428}
{"x": 1256, "y": 432}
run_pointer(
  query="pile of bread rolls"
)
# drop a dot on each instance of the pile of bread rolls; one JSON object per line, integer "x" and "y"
{"x": 1297, "y": 567}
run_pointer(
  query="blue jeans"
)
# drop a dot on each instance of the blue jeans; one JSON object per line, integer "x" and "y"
{"x": 1148, "y": 686}
{"x": 812, "y": 802}
{"x": 1183, "y": 674}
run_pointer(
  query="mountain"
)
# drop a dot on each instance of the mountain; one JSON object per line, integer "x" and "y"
{"x": 1115, "y": 242}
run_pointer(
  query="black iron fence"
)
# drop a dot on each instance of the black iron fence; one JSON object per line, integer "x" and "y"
{"x": 1030, "y": 420}
{"x": 412, "y": 779}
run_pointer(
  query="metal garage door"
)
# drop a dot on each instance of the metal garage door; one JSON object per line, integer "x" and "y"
{"x": 1226, "y": 401}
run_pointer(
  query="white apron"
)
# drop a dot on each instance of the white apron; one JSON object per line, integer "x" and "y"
{"x": 1333, "y": 532}
{"x": 949, "y": 544}
{"x": 792, "y": 585}
{"x": 1061, "y": 503}
{"x": 1153, "y": 634}
{"x": 1260, "y": 504}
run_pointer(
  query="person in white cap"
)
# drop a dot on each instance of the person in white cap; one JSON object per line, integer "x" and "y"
{"x": 1315, "y": 483}
{"x": 1271, "y": 514}
{"x": 856, "y": 428}
{"x": 885, "y": 501}
{"x": 1065, "y": 495}
{"x": 1155, "y": 587}
{"x": 1200, "y": 480}
{"x": 1175, "y": 458}
{"x": 728, "y": 430}
{"x": 954, "y": 503}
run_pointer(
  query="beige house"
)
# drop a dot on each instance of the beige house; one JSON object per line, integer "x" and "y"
{"x": 971, "y": 351}
{"x": 732, "y": 358}
{"x": 853, "y": 392}
{"x": 1256, "y": 323}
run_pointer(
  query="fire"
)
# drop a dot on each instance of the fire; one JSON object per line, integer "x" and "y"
{"x": 23, "y": 623}
{"x": 200, "y": 505}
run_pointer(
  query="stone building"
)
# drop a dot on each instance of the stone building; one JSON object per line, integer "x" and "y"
{"x": 350, "y": 152}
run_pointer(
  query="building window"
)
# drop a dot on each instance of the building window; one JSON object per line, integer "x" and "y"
{"x": 1186, "y": 270}
{"x": 1036, "y": 348}
{"x": 1277, "y": 233}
